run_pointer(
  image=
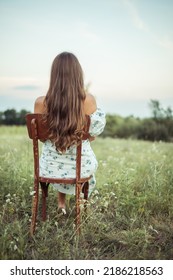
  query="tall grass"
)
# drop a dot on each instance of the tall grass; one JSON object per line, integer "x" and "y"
{"x": 130, "y": 214}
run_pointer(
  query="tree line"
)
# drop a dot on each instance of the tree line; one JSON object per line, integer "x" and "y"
{"x": 12, "y": 117}
{"x": 157, "y": 127}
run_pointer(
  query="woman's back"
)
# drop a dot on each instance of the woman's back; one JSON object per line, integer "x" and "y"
{"x": 89, "y": 105}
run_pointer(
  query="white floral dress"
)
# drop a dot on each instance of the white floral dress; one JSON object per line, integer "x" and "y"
{"x": 54, "y": 164}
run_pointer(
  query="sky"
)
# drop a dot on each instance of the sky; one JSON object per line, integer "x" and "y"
{"x": 125, "y": 48}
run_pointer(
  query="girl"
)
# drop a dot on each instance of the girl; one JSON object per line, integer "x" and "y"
{"x": 65, "y": 106}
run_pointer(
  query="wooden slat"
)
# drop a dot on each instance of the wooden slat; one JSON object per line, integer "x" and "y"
{"x": 43, "y": 128}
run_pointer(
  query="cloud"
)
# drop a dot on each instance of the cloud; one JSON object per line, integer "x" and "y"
{"x": 22, "y": 84}
{"x": 166, "y": 43}
{"x": 134, "y": 14}
{"x": 26, "y": 87}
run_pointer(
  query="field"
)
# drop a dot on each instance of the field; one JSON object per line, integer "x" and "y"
{"x": 130, "y": 214}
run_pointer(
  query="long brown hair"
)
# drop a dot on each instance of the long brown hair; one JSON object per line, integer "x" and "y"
{"x": 65, "y": 101}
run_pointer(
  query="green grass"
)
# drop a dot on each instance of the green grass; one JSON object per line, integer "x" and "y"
{"x": 130, "y": 214}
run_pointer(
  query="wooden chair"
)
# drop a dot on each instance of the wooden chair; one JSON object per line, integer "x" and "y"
{"x": 38, "y": 130}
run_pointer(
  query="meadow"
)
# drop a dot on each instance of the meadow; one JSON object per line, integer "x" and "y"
{"x": 130, "y": 213}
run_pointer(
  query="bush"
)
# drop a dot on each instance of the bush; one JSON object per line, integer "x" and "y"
{"x": 153, "y": 131}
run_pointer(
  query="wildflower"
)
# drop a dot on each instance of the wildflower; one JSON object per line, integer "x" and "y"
{"x": 15, "y": 247}
{"x": 92, "y": 201}
{"x": 106, "y": 204}
{"x": 113, "y": 194}
{"x": 131, "y": 169}
{"x": 32, "y": 193}
{"x": 154, "y": 230}
{"x": 96, "y": 192}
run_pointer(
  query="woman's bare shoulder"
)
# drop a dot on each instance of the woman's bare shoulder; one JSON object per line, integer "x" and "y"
{"x": 90, "y": 105}
{"x": 39, "y": 106}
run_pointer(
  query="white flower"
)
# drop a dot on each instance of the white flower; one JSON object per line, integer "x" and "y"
{"x": 32, "y": 193}
{"x": 113, "y": 194}
{"x": 131, "y": 169}
{"x": 151, "y": 228}
{"x": 15, "y": 247}
{"x": 106, "y": 204}
{"x": 96, "y": 192}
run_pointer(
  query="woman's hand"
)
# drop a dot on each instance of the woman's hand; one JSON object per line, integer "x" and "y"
{"x": 91, "y": 138}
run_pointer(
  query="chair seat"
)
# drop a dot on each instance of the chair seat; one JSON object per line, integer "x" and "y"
{"x": 63, "y": 181}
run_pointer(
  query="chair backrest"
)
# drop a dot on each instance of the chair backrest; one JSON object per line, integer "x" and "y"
{"x": 38, "y": 129}
{"x": 43, "y": 128}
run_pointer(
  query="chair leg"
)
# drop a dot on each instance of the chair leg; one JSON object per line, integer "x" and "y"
{"x": 44, "y": 188}
{"x": 85, "y": 191}
{"x": 78, "y": 189}
{"x": 34, "y": 207}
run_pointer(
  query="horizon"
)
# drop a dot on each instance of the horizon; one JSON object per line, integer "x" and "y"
{"x": 125, "y": 48}
{"x": 149, "y": 115}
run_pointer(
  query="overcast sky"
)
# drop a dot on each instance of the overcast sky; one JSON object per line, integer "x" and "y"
{"x": 125, "y": 48}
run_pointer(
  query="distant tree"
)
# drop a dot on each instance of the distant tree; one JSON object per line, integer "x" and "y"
{"x": 159, "y": 113}
{"x": 21, "y": 117}
{"x": 153, "y": 131}
{"x": 168, "y": 113}
{"x": 156, "y": 110}
{"x": 160, "y": 126}
{"x": 111, "y": 126}
{"x": 10, "y": 117}
{"x": 1, "y": 117}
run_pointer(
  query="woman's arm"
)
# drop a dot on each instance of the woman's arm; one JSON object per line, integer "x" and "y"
{"x": 39, "y": 107}
{"x": 90, "y": 107}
